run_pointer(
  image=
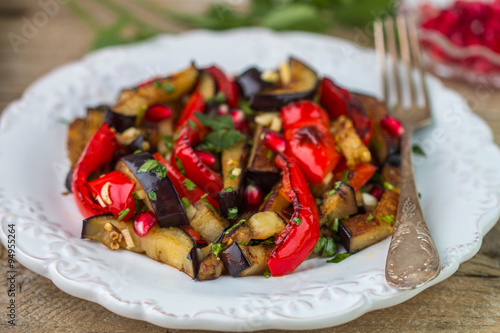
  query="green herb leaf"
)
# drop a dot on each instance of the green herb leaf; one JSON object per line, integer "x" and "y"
{"x": 180, "y": 167}
{"x": 185, "y": 202}
{"x": 330, "y": 248}
{"x": 123, "y": 213}
{"x": 205, "y": 201}
{"x": 242, "y": 243}
{"x": 168, "y": 142}
{"x": 228, "y": 189}
{"x": 389, "y": 219}
{"x": 345, "y": 176}
{"x": 232, "y": 213}
{"x": 169, "y": 87}
{"x": 318, "y": 201}
{"x": 189, "y": 185}
{"x": 157, "y": 84}
{"x": 335, "y": 225}
{"x": 336, "y": 186}
{"x": 269, "y": 154}
{"x": 192, "y": 124}
{"x": 216, "y": 249}
{"x": 388, "y": 186}
{"x": 64, "y": 121}
{"x": 155, "y": 166}
{"x": 338, "y": 258}
{"x": 245, "y": 107}
{"x": 268, "y": 195}
{"x": 217, "y": 122}
{"x": 152, "y": 195}
{"x": 369, "y": 218}
{"x": 266, "y": 274}
{"x": 138, "y": 151}
{"x": 418, "y": 150}
{"x": 419, "y": 195}
{"x": 219, "y": 140}
{"x": 297, "y": 220}
{"x": 219, "y": 98}
{"x": 234, "y": 226}
{"x": 320, "y": 245}
{"x": 232, "y": 175}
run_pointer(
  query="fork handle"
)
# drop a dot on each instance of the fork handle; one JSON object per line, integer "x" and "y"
{"x": 413, "y": 259}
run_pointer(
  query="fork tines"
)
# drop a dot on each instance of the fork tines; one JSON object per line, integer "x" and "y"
{"x": 398, "y": 37}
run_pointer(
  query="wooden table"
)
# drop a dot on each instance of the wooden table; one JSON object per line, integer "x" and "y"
{"x": 466, "y": 302}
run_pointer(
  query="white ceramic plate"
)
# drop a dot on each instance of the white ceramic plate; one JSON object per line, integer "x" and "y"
{"x": 459, "y": 182}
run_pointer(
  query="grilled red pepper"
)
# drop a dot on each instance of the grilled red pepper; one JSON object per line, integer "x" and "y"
{"x": 356, "y": 177}
{"x": 301, "y": 234}
{"x": 113, "y": 191}
{"x": 183, "y": 186}
{"x": 196, "y": 103}
{"x": 193, "y": 233}
{"x": 334, "y": 98}
{"x": 99, "y": 151}
{"x": 362, "y": 123}
{"x": 225, "y": 85}
{"x": 184, "y": 157}
{"x": 309, "y": 140}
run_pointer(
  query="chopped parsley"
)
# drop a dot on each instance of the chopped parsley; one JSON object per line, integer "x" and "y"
{"x": 266, "y": 274}
{"x": 245, "y": 107}
{"x": 229, "y": 189}
{"x": 123, "y": 213}
{"x": 338, "y": 258}
{"x": 234, "y": 226}
{"x": 185, "y": 202}
{"x": 242, "y": 243}
{"x": 320, "y": 245}
{"x": 216, "y": 249}
{"x": 325, "y": 246}
{"x": 138, "y": 151}
{"x": 232, "y": 213}
{"x": 388, "y": 186}
{"x": 297, "y": 220}
{"x": 370, "y": 217}
{"x": 318, "y": 201}
{"x": 205, "y": 201}
{"x": 192, "y": 124}
{"x": 223, "y": 134}
{"x": 220, "y": 98}
{"x": 336, "y": 186}
{"x": 269, "y": 154}
{"x": 169, "y": 87}
{"x": 152, "y": 195}
{"x": 419, "y": 195}
{"x": 231, "y": 174}
{"x": 155, "y": 166}
{"x": 268, "y": 195}
{"x": 389, "y": 219}
{"x": 418, "y": 150}
{"x": 180, "y": 167}
{"x": 335, "y": 225}
{"x": 189, "y": 185}
{"x": 168, "y": 142}
{"x": 345, "y": 176}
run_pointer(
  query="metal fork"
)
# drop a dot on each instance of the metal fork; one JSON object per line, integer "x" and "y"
{"x": 412, "y": 259}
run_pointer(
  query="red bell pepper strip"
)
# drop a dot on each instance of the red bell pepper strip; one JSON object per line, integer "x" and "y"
{"x": 225, "y": 85}
{"x": 356, "y": 177}
{"x": 362, "y": 123}
{"x": 301, "y": 234}
{"x": 180, "y": 184}
{"x": 117, "y": 197}
{"x": 334, "y": 99}
{"x": 99, "y": 150}
{"x": 184, "y": 156}
{"x": 309, "y": 140}
{"x": 196, "y": 103}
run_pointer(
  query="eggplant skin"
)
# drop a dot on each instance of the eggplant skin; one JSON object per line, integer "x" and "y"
{"x": 139, "y": 143}
{"x": 167, "y": 206}
{"x": 234, "y": 260}
{"x": 229, "y": 200}
{"x": 250, "y": 82}
{"x": 118, "y": 121}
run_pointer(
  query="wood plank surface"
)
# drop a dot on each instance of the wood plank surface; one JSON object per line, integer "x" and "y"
{"x": 466, "y": 302}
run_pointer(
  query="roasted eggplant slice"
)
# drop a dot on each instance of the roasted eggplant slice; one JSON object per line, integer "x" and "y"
{"x": 338, "y": 202}
{"x": 161, "y": 196}
{"x": 261, "y": 166}
{"x": 250, "y": 82}
{"x": 234, "y": 162}
{"x": 392, "y": 175}
{"x": 171, "y": 246}
{"x": 275, "y": 201}
{"x": 381, "y": 142}
{"x": 169, "y": 89}
{"x": 349, "y": 143}
{"x": 361, "y": 231}
{"x": 206, "y": 86}
{"x": 243, "y": 260}
{"x": 207, "y": 222}
{"x": 120, "y": 122}
{"x": 140, "y": 143}
{"x": 211, "y": 268}
{"x": 302, "y": 84}
{"x": 266, "y": 224}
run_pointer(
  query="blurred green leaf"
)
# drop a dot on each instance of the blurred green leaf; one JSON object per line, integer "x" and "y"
{"x": 294, "y": 17}
{"x": 361, "y": 12}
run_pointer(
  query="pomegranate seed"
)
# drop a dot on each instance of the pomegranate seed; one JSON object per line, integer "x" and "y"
{"x": 223, "y": 110}
{"x": 392, "y": 126}
{"x": 143, "y": 222}
{"x": 157, "y": 112}
{"x": 253, "y": 196}
{"x": 206, "y": 157}
{"x": 377, "y": 191}
{"x": 239, "y": 120}
{"x": 274, "y": 141}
